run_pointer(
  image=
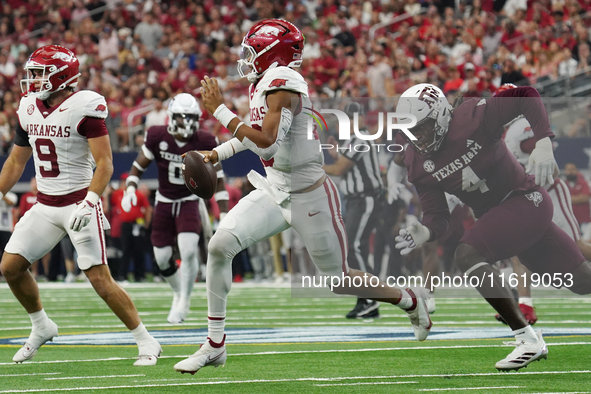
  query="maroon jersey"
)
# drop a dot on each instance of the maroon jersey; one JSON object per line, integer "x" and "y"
{"x": 473, "y": 162}
{"x": 167, "y": 152}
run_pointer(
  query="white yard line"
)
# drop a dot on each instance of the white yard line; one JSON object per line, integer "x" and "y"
{"x": 310, "y": 379}
{"x": 95, "y": 377}
{"x": 29, "y": 374}
{"x": 474, "y": 388}
{"x": 361, "y": 384}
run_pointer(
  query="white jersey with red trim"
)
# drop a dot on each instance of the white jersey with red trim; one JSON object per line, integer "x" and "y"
{"x": 62, "y": 157}
{"x": 298, "y": 162}
{"x": 519, "y": 130}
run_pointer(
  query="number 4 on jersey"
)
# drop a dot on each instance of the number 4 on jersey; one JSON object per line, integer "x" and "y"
{"x": 471, "y": 182}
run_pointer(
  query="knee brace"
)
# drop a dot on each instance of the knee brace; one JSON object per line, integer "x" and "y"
{"x": 164, "y": 260}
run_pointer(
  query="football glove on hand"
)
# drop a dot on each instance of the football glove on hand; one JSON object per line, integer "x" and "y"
{"x": 412, "y": 237}
{"x": 542, "y": 163}
{"x": 129, "y": 199}
{"x": 81, "y": 215}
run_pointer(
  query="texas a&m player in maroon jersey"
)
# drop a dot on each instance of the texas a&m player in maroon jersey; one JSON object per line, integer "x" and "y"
{"x": 176, "y": 214}
{"x": 65, "y": 132}
{"x": 461, "y": 152}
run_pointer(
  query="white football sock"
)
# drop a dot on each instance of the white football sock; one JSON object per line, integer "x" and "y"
{"x": 526, "y": 334}
{"x": 38, "y": 319}
{"x": 140, "y": 334}
{"x": 406, "y": 300}
{"x": 526, "y": 301}
{"x": 189, "y": 250}
{"x": 222, "y": 248}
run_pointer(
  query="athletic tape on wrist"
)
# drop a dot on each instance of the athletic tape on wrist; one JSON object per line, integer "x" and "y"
{"x": 222, "y": 196}
{"x": 132, "y": 178}
{"x": 224, "y": 115}
{"x": 229, "y": 149}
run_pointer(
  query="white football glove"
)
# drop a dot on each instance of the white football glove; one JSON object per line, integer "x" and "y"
{"x": 129, "y": 199}
{"x": 82, "y": 215}
{"x": 412, "y": 237}
{"x": 542, "y": 163}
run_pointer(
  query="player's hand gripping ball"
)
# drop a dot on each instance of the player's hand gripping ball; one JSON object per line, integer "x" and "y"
{"x": 200, "y": 177}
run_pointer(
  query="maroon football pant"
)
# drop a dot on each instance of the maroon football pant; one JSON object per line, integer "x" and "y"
{"x": 171, "y": 219}
{"x": 522, "y": 226}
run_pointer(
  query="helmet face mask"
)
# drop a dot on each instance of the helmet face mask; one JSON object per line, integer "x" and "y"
{"x": 433, "y": 112}
{"x": 184, "y": 114}
{"x": 268, "y": 44}
{"x": 50, "y": 69}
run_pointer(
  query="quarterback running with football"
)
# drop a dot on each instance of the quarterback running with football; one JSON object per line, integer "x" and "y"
{"x": 176, "y": 214}
{"x": 65, "y": 132}
{"x": 293, "y": 164}
{"x": 461, "y": 151}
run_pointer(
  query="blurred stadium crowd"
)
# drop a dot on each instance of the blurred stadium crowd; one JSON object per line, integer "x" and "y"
{"x": 139, "y": 54}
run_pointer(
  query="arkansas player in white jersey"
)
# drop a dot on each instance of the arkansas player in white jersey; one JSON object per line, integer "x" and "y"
{"x": 520, "y": 141}
{"x": 176, "y": 215}
{"x": 295, "y": 181}
{"x": 65, "y": 132}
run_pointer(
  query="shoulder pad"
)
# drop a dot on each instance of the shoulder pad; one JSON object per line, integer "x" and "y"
{"x": 94, "y": 105}
{"x": 283, "y": 78}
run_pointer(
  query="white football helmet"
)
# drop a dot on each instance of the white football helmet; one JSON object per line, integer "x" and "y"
{"x": 184, "y": 113}
{"x": 433, "y": 112}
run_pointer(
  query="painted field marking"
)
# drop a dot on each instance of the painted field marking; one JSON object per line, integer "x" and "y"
{"x": 29, "y": 374}
{"x": 474, "y": 388}
{"x": 334, "y": 351}
{"x": 96, "y": 377}
{"x": 311, "y": 379}
{"x": 361, "y": 384}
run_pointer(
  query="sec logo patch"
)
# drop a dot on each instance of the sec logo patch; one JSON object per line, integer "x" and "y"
{"x": 163, "y": 145}
{"x": 429, "y": 166}
{"x": 30, "y": 109}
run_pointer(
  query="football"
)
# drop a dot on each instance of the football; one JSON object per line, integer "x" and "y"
{"x": 200, "y": 177}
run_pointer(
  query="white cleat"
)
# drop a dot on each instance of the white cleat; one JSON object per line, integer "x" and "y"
{"x": 35, "y": 341}
{"x": 174, "y": 316}
{"x": 207, "y": 355}
{"x": 148, "y": 354}
{"x": 523, "y": 354}
{"x": 179, "y": 311}
{"x": 419, "y": 314}
{"x": 431, "y": 307}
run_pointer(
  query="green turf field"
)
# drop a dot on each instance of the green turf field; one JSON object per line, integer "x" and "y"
{"x": 279, "y": 344}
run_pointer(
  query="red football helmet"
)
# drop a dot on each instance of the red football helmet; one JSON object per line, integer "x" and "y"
{"x": 270, "y": 43}
{"x": 58, "y": 68}
{"x": 505, "y": 86}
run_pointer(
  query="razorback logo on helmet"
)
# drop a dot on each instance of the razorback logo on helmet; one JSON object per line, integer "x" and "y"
{"x": 100, "y": 107}
{"x": 277, "y": 83}
{"x": 429, "y": 96}
{"x": 62, "y": 56}
{"x": 269, "y": 30}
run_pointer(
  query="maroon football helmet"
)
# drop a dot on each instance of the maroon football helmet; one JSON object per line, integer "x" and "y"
{"x": 268, "y": 44}
{"x": 58, "y": 68}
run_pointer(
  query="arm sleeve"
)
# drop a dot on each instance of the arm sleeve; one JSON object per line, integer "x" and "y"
{"x": 92, "y": 127}
{"x": 435, "y": 211}
{"x": 509, "y": 104}
{"x": 21, "y": 138}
